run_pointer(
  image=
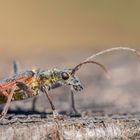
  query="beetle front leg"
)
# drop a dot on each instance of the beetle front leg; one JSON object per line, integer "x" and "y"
{"x": 73, "y": 111}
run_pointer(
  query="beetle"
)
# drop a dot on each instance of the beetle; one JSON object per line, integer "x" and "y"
{"x": 30, "y": 83}
{"x": 33, "y": 82}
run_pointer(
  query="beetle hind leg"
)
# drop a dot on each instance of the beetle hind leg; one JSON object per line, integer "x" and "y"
{"x": 6, "y": 107}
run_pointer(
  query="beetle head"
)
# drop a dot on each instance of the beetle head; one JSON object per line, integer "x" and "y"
{"x": 66, "y": 77}
{"x": 59, "y": 77}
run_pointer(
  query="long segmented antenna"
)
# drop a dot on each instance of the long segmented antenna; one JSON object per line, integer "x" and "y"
{"x": 113, "y": 49}
{"x": 88, "y": 60}
{"x": 77, "y": 67}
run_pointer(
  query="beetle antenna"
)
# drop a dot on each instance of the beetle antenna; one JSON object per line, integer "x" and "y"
{"x": 113, "y": 49}
{"x": 77, "y": 67}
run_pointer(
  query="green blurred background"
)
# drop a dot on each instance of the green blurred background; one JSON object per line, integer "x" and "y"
{"x": 30, "y": 27}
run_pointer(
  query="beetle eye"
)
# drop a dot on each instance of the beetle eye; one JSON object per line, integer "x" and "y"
{"x": 64, "y": 75}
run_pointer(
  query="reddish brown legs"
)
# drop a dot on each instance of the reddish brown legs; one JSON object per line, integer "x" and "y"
{"x": 4, "y": 112}
{"x": 55, "y": 113}
{"x": 3, "y": 92}
{"x": 22, "y": 86}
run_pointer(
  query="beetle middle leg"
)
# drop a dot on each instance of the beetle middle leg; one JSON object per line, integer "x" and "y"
{"x": 55, "y": 113}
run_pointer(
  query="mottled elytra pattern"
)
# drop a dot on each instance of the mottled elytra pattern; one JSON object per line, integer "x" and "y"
{"x": 33, "y": 79}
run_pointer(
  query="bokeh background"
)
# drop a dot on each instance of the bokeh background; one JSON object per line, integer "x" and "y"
{"x": 47, "y": 33}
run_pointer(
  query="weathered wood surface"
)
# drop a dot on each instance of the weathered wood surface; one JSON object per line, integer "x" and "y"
{"x": 35, "y": 127}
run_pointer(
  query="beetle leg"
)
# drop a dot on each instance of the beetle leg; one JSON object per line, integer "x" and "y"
{"x": 24, "y": 87}
{"x": 15, "y": 67}
{"x": 55, "y": 113}
{"x": 5, "y": 109}
{"x": 3, "y": 92}
{"x": 43, "y": 89}
{"x": 73, "y": 111}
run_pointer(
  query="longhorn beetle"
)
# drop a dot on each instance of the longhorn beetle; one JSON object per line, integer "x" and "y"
{"x": 31, "y": 83}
